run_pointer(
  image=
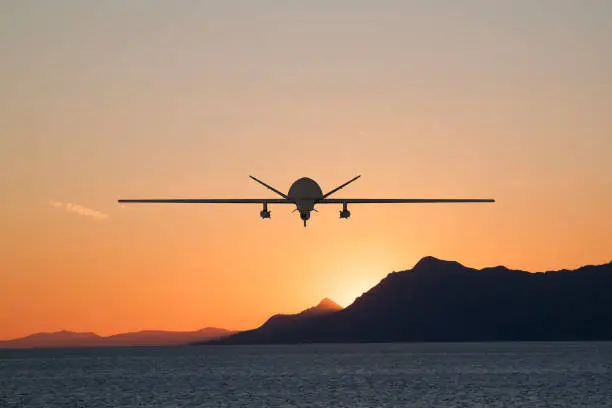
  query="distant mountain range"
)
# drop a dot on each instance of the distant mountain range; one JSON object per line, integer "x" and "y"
{"x": 142, "y": 338}
{"x": 436, "y": 300}
{"x": 445, "y": 301}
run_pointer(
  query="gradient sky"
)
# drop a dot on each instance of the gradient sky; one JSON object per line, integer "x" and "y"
{"x": 431, "y": 98}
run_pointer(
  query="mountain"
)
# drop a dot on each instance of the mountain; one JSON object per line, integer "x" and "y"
{"x": 278, "y": 324}
{"x": 67, "y": 339}
{"x": 324, "y": 307}
{"x": 58, "y": 339}
{"x": 441, "y": 300}
{"x": 164, "y": 338}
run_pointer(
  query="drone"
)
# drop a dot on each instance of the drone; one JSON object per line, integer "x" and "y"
{"x": 304, "y": 194}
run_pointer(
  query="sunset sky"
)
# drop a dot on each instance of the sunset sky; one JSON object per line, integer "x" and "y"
{"x": 430, "y": 98}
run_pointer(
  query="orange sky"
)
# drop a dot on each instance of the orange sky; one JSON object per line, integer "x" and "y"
{"x": 427, "y": 99}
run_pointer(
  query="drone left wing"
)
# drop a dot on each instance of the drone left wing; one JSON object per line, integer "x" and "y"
{"x": 207, "y": 201}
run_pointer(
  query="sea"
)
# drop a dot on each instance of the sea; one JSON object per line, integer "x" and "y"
{"x": 325, "y": 375}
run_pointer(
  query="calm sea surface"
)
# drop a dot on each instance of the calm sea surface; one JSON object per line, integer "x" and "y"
{"x": 343, "y": 375}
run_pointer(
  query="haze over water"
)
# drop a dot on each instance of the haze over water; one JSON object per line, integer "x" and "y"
{"x": 342, "y": 375}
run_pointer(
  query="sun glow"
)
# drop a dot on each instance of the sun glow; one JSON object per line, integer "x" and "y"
{"x": 350, "y": 277}
{"x": 346, "y": 296}
{"x": 352, "y": 283}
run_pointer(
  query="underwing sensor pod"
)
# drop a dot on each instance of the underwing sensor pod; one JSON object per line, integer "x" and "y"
{"x": 304, "y": 194}
{"x": 265, "y": 213}
{"x": 344, "y": 213}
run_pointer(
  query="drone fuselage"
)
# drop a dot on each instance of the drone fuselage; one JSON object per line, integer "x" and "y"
{"x": 305, "y": 193}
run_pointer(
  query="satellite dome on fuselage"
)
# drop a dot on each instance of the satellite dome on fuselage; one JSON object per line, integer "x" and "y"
{"x": 305, "y": 188}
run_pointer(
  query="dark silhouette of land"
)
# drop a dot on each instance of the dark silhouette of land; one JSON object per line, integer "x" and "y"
{"x": 325, "y": 307}
{"x": 445, "y": 301}
{"x": 434, "y": 301}
{"x": 68, "y": 339}
{"x": 278, "y": 324}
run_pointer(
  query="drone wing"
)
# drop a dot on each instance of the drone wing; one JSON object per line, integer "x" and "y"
{"x": 403, "y": 200}
{"x": 325, "y": 200}
{"x": 206, "y": 201}
{"x": 284, "y": 200}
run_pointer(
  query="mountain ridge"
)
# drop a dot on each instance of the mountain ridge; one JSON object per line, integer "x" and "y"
{"x": 281, "y": 322}
{"x": 435, "y": 300}
{"x": 440, "y": 300}
{"x": 69, "y": 339}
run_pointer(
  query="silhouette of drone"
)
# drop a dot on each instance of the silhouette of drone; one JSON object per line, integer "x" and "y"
{"x": 305, "y": 193}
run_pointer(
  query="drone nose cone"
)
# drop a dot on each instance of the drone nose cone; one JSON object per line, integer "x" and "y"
{"x": 305, "y": 188}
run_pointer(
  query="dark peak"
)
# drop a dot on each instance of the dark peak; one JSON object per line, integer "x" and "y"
{"x": 325, "y": 307}
{"x": 426, "y": 261}
{"x": 498, "y": 269}
{"x": 430, "y": 263}
{"x": 328, "y": 304}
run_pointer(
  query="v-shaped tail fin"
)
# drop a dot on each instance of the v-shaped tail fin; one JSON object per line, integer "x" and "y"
{"x": 339, "y": 187}
{"x": 270, "y": 188}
